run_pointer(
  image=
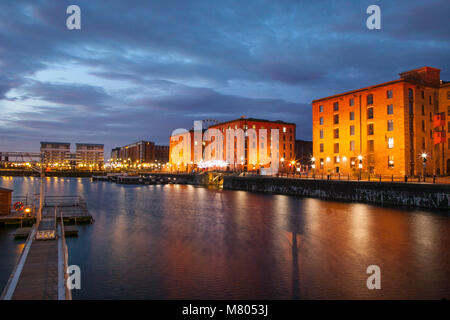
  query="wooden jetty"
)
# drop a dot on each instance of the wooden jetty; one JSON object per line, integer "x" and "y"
{"x": 41, "y": 270}
{"x": 74, "y": 212}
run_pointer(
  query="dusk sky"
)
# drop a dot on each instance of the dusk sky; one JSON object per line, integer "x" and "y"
{"x": 137, "y": 70}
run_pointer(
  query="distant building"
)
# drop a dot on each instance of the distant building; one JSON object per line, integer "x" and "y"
{"x": 115, "y": 154}
{"x": 90, "y": 155}
{"x": 54, "y": 152}
{"x": 162, "y": 153}
{"x": 141, "y": 152}
{"x": 387, "y": 128}
{"x": 303, "y": 152}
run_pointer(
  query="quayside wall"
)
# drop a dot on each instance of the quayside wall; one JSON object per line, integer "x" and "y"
{"x": 385, "y": 193}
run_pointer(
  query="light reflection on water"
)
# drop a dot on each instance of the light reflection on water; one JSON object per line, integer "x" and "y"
{"x": 176, "y": 241}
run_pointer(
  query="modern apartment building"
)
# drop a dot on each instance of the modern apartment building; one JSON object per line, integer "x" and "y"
{"x": 54, "y": 152}
{"x": 386, "y": 129}
{"x": 90, "y": 155}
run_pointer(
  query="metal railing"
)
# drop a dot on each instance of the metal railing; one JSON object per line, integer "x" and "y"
{"x": 364, "y": 177}
{"x": 66, "y": 258}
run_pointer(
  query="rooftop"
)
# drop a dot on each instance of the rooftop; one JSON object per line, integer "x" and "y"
{"x": 61, "y": 143}
{"x": 254, "y": 120}
{"x": 411, "y": 76}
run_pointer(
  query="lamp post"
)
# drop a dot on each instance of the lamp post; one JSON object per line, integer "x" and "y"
{"x": 424, "y": 164}
{"x": 313, "y": 166}
{"x": 360, "y": 165}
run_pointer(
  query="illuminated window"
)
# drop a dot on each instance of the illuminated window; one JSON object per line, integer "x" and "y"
{"x": 352, "y": 145}
{"x": 321, "y": 120}
{"x": 320, "y": 108}
{"x": 352, "y": 115}
{"x": 336, "y": 106}
{"x": 389, "y": 94}
{"x": 352, "y": 130}
{"x": 390, "y": 125}
{"x": 390, "y": 162}
{"x": 321, "y": 162}
{"x": 352, "y": 162}
{"x": 390, "y": 143}
{"x": 284, "y": 129}
{"x": 351, "y": 102}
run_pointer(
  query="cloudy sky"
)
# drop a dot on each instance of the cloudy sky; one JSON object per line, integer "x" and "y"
{"x": 140, "y": 69}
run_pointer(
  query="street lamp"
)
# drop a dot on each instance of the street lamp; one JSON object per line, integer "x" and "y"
{"x": 313, "y": 166}
{"x": 424, "y": 164}
{"x": 360, "y": 165}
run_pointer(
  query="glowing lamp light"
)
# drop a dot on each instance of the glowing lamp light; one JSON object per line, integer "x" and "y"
{"x": 360, "y": 157}
{"x": 424, "y": 155}
{"x": 27, "y": 210}
{"x": 328, "y": 159}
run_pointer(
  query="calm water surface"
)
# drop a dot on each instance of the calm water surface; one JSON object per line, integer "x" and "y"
{"x": 176, "y": 241}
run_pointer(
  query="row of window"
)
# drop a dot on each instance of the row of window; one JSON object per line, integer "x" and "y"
{"x": 351, "y": 101}
{"x": 370, "y": 129}
{"x": 353, "y": 162}
{"x": 389, "y": 95}
{"x": 390, "y": 110}
{"x": 370, "y": 145}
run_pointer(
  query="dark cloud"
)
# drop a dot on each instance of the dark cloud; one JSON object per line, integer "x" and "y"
{"x": 138, "y": 70}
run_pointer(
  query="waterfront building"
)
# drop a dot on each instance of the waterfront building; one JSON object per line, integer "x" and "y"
{"x": 54, "y": 153}
{"x": 90, "y": 155}
{"x": 251, "y": 157}
{"x": 393, "y": 128}
{"x": 161, "y": 153}
{"x": 141, "y": 152}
